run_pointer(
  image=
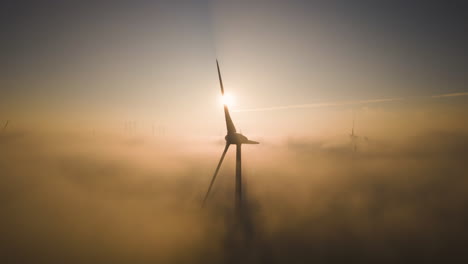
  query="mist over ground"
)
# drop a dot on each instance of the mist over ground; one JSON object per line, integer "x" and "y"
{"x": 97, "y": 198}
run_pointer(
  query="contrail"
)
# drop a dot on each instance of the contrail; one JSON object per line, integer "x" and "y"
{"x": 449, "y": 95}
{"x": 317, "y": 105}
{"x": 344, "y": 103}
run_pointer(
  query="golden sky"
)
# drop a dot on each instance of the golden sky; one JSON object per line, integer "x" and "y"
{"x": 90, "y": 65}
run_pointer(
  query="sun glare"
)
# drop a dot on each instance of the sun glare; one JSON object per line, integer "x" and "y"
{"x": 227, "y": 99}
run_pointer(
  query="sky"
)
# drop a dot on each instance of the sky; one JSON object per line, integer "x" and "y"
{"x": 115, "y": 127}
{"x": 95, "y": 64}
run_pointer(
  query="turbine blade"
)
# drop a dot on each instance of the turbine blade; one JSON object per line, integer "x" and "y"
{"x": 216, "y": 173}
{"x": 229, "y": 124}
{"x": 251, "y": 142}
{"x": 220, "y": 79}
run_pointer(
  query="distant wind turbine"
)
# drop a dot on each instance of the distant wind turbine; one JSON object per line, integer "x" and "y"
{"x": 6, "y": 125}
{"x": 353, "y": 138}
{"x": 232, "y": 138}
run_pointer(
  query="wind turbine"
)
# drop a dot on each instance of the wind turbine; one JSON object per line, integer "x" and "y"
{"x": 353, "y": 138}
{"x": 232, "y": 138}
{"x": 6, "y": 125}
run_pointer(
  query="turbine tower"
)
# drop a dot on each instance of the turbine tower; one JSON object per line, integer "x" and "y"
{"x": 232, "y": 138}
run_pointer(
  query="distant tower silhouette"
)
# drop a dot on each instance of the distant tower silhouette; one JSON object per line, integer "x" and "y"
{"x": 353, "y": 137}
{"x": 5, "y": 126}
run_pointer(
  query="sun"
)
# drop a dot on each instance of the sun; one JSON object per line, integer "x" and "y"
{"x": 227, "y": 99}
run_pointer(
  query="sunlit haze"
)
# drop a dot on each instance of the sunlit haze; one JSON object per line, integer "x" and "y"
{"x": 228, "y": 99}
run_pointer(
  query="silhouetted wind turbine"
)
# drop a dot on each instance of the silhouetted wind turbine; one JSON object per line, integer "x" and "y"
{"x": 353, "y": 138}
{"x": 231, "y": 138}
{"x": 6, "y": 125}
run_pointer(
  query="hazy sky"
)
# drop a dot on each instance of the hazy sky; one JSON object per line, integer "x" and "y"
{"x": 154, "y": 61}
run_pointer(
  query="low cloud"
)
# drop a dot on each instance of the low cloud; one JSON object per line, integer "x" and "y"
{"x": 85, "y": 199}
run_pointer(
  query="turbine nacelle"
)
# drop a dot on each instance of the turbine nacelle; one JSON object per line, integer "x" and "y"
{"x": 237, "y": 138}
